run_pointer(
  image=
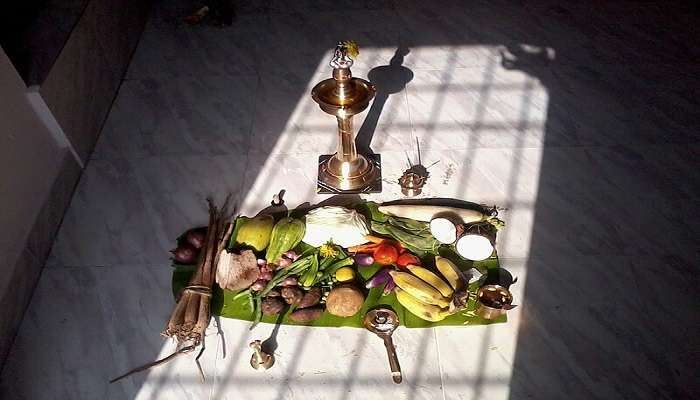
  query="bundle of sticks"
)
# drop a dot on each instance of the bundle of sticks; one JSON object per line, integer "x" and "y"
{"x": 192, "y": 313}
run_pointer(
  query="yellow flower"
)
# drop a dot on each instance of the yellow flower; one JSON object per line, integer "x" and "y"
{"x": 328, "y": 250}
{"x": 353, "y": 48}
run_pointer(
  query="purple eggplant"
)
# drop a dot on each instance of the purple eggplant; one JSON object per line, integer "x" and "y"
{"x": 389, "y": 287}
{"x": 382, "y": 277}
{"x": 364, "y": 259}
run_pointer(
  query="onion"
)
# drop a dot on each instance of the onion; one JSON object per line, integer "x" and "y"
{"x": 292, "y": 255}
{"x": 474, "y": 247}
{"x": 258, "y": 285}
{"x": 261, "y": 261}
{"x": 284, "y": 262}
{"x": 196, "y": 237}
{"x": 290, "y": 281}
{"x": 443, "y": 230}
{"x": 185, "y": 254}
{"x": 267, "y": 275}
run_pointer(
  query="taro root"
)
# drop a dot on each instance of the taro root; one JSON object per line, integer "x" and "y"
{"x": 272, "y": 306}
{"x": 306, "y": 314}
{"x": 311, "y": 298}
{"x": 237, "y": 271}
{"x": 344, "y": 301}
{"x": 274, "y": 293}
{"x": 292, "y": 295}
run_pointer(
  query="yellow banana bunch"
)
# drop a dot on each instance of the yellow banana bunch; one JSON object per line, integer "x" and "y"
{"x": 419, "y": 289}
{"x": 422, "y": 310}
{"x": 432, "y": 279}
{"x": 449, "y": 271}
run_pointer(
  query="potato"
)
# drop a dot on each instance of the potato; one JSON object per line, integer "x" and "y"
{"x": 306, "y": 314}
{"x": 344, "y": 301}
{"x": 311, "y": 298}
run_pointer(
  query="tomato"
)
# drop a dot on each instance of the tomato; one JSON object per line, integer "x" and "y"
{"x": 407, "y": 259}
{"x": 385, "y": 254}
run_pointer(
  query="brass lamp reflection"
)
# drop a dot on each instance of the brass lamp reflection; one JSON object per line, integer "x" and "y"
{"x": 343, "y": 96}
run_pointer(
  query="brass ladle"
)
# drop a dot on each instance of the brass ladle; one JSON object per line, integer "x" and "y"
{"x": 383, "y": 322}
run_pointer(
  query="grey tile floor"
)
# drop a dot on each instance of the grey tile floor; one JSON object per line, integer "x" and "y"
{"x": 581, "y": 121}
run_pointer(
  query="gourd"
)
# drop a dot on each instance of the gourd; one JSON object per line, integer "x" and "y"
{"x": 286, "y": 235}
{"x": 255, "y": 232}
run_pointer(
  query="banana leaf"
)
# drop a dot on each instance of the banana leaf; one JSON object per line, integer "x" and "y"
{"x": 226, "y": 304}
{"x": 229, "y": 304}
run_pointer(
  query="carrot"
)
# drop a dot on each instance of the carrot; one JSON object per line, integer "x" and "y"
{"x": 375, "y": 239}
{"x": 363, "y": 248}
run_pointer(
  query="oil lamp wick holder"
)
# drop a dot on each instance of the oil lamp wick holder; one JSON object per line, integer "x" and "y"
{"x": 343, "y": 96}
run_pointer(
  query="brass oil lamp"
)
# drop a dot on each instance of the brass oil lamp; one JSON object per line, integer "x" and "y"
{"x": 343, "y": 96}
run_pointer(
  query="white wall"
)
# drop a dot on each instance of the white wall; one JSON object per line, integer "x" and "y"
{"x": 30, "y": 161}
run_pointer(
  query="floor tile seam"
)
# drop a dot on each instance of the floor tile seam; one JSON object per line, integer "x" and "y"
{"x": 126, "y": 157}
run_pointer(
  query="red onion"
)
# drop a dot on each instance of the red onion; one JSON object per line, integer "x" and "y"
{"x": 258, "y": 285}
{"x": 284, "y": 262}
{"x": 267, "y": 275}
{"x": 185, "y": 254}
{"x": 292, "y": 255}
{"x": 261, "y": 261}
{"x": 196, "y": 237}
{"x": 290, "y": 281}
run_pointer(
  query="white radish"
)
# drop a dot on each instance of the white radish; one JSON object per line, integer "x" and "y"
{"x": 426, "y": 213}
{"x": 474, "y": 247}
{"x": 443, "y": 230}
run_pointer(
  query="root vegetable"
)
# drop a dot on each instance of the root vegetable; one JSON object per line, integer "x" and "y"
{"x": 290, "y": 281}
{"x": 272, "y": 306}
{"x": 474, "y": 247}
{"x": 258, "y": 285}
{"x": 443, "y": 230}
{"x": 292, "y": 295}
{"x": 237, "y": 271}
{"x": 185, "y": 254}
{"x": 284, "y": 262}
{"x": 311, "y": 298}
{"x": 266, "y": 275}
{"x": 196, "y": 237}
{"x": 427, "y": 212}
{"x": 274, "y": 293}
{"x": 344, "y": 301}
{"x": 306, "y": 314}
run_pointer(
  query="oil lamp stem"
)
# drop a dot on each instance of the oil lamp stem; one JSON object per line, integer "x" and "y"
{"x": 347, "y": 152}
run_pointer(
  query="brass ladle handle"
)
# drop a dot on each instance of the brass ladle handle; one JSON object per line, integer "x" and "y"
{"x": 393, "y": 359}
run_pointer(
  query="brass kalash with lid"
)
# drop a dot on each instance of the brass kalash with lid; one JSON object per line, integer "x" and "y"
{"x": 343, "y": 96}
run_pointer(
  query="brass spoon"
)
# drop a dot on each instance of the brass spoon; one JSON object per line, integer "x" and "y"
{"x": 383, "y": 322}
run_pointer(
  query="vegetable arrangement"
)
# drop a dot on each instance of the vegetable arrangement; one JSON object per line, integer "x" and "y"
{"x": 331, "y": 265}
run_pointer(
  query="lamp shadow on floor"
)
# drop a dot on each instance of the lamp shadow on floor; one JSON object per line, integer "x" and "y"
{"x": 388, "y": 79}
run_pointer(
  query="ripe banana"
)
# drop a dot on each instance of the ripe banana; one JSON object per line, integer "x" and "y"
{"x": 416, "y": 307}
{"x": 449, "y": 271}
{"x": 419, "y": 289}
{"x": 432, "y": 279}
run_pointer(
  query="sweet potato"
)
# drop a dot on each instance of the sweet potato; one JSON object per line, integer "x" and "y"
{"x": 311, "y": 298}
{"x": 306, "y": 314}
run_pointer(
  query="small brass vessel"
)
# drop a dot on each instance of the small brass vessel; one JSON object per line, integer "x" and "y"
{"x": 343, "y": 96}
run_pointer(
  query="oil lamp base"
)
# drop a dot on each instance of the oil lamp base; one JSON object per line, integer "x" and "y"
{"x": 369, "y": 181}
